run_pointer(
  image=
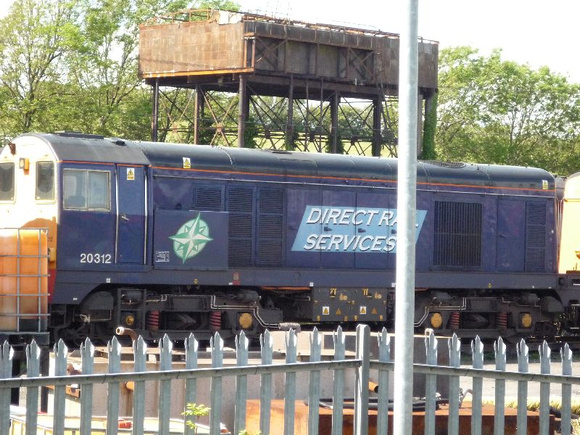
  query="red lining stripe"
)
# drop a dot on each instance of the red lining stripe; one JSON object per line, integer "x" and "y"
{"x": 370, "y": 180}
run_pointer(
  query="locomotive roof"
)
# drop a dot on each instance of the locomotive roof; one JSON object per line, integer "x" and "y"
{"x": 91, "y": 148}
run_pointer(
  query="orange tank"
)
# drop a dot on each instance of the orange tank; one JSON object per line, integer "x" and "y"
{"x": 23, "y": 280}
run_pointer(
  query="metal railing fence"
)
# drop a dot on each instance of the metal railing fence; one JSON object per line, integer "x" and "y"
{"x": 339, "y": 369}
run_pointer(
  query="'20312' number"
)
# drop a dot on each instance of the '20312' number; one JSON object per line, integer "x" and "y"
{"x": 95, "y": 258}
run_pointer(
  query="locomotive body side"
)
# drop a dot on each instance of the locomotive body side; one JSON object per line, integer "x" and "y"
{"x": 493, "y": 255}
{"x": 168, "y": 238}
{"x": 313, "y": 238}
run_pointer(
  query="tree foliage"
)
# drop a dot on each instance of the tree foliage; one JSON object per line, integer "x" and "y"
{"x": 496, "y": 111}
{"x": 73, "y": 65}
{"x": 33, "y": 40}
{"x": 106, "y": 59}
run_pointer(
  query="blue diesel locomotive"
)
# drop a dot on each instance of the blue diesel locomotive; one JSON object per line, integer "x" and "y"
{"x": 166, "y": 238}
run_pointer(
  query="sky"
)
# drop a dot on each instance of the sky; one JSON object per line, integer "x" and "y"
{"x": 534, "y": 32}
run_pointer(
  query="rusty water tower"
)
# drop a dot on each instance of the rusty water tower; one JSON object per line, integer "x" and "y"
{"x": 289, "y": 84}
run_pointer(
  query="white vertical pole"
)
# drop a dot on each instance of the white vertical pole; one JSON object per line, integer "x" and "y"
{"x": 406, "y": 220}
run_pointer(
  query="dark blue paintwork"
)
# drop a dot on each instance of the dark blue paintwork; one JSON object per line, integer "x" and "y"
{"x": 213, "y": 246}
{"x": 158, "y": 199}
{"x": 132, "y": 214}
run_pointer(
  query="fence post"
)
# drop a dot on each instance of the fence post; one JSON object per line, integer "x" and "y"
{"x": 267, "y": 346}
{"x": 217, "y": 361}
{"x": 113, "y": 388}
{"x": 165, "y": 356}
{"x": 430, "y": 384}
{"x": 523, "y": 363}
{"x": 565, "y": 423}
{"x": 6, "y": 361}
{"x": 545, "y": 360}
{"x": 32, "y": 370}
{"x": 60, "y": 363}
{"x": 314, "y": 387}
{"x": 383, "y": 379}
{"x": 87, "y": 364}
{"x": 140, "y": 356}
{"x": 500, "y": 365}
{"x": 191, "y": 348}
{"x": 361, "y": 392}
{"x": 242, "y": 345}
{"x": 477, "y": 386}
{"x": 338, "y": 387}
{"x": 290, "y": 390}
{"x": 454, "y": 344}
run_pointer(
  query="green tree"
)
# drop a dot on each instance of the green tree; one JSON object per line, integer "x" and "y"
{"x": 496, "y": 111}
{"x": 34, "y": 37}
{"x": 103, "y": 68}
{"x": 430, "y": 124}
{"x": 67, "y": 64}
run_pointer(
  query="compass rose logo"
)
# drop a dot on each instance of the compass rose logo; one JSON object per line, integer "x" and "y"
{"x": 191, "y": 238}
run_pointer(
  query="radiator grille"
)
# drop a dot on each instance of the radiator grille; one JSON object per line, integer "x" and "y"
{"x": 208, "y": 198}
{"x": 240, "y": 204}
{"x": 535, "y": 237}
{"x": 458, "y": 227}
{"x": 270, "y": 227}
{"x": 240, "y": 199}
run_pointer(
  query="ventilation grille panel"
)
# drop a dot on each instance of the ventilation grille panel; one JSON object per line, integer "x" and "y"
{"x": 535, "y": 237}
{"x": 458, "y": 227}
{"x": 270, "y": 227}
{"x": 208, "y": 198}
{"x": 241, "y": 226}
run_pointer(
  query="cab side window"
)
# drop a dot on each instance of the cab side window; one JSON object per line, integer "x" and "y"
{"x": 99, "y": 189}
{"x": 6, "y": 181}
{"x": 86, "y": 190}
{"x": 44, "y": 181}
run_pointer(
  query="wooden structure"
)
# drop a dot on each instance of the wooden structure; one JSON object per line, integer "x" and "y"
{"x": 309, "y": 71}
{"x": 418, "y": 425}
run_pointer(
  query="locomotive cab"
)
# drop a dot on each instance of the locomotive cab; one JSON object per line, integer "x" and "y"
{"x": 66, "y": 181}
{"x": 28, "y": 191}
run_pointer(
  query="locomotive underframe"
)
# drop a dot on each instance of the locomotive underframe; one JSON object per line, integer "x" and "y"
{"x": 176, "y": 311}
{"x": 204, "y": 310}
{"x": 490, "y": 314}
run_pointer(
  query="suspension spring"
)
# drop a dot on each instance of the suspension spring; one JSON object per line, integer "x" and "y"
{"x": 215, "y": 320}
{"x": 502, "y": 320}
{"x": 454, "y": 318}
{"x": 153, "y": 320}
